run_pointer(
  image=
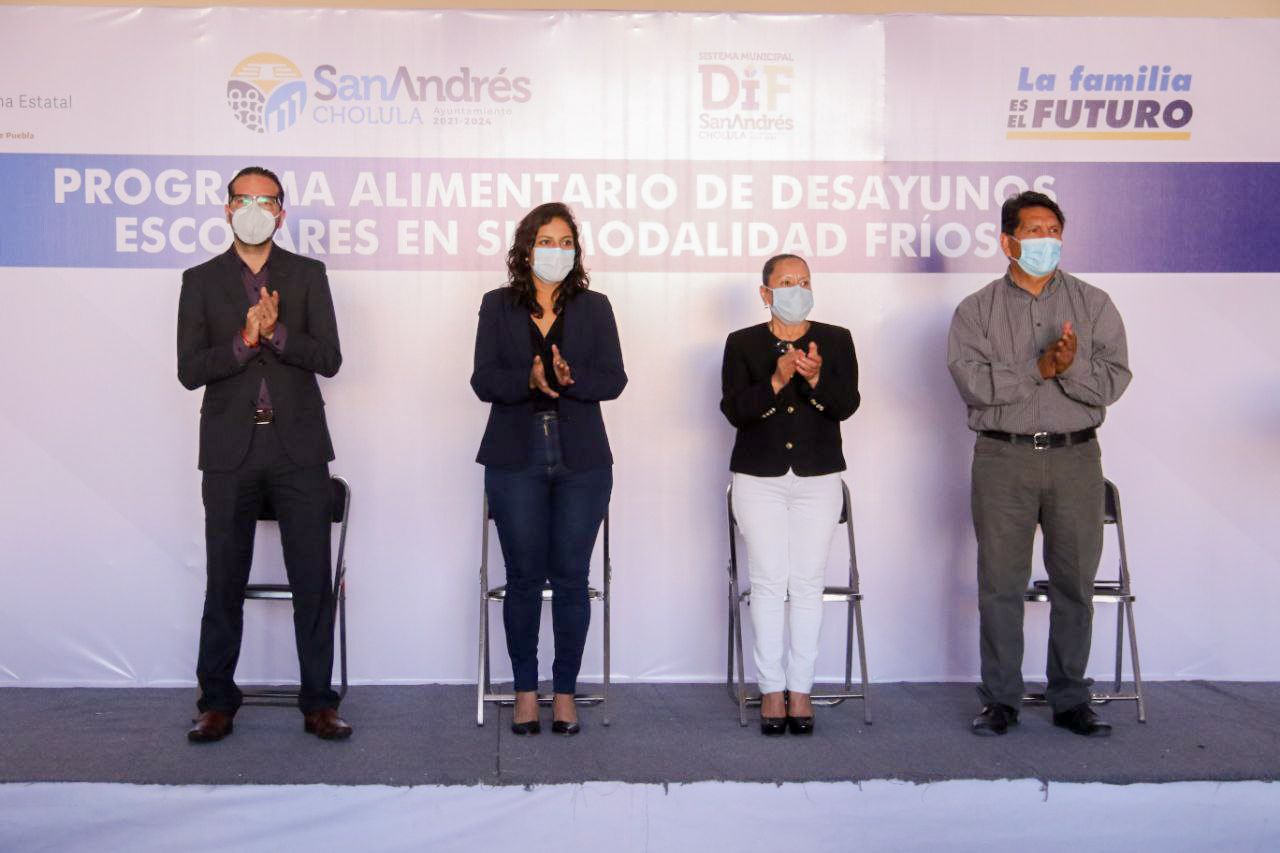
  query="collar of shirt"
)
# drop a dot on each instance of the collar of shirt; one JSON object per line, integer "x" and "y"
{"x": 1050, "y": 286}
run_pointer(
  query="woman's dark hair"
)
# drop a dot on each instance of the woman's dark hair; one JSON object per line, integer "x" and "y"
{"x": 1011, "y": 210}
{"x": 774, "y": 261}
{"x": 520, "y": 271}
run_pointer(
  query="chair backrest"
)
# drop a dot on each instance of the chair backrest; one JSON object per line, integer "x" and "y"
{"x": 341, "y": 502}
{"x": 1111, "y": 503}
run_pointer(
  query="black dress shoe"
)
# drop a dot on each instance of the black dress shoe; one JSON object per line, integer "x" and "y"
{"x": 800, "y": 725}
{"x": 773, "y": 726}
{"x": 995, "y": 719}
{"x": 561, "y": 727}
{"x": 532, "y": 727}
{"x": 326, "y": 725}
{"x": 209, "y": 727}
{"x": 1081, "y": 720}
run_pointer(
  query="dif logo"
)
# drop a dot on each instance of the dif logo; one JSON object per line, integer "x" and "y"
{"x": 266, "y": 92}
{"x": 754, "y": 88}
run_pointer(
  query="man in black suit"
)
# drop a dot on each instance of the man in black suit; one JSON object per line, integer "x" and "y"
{"x": 255, "y": 326}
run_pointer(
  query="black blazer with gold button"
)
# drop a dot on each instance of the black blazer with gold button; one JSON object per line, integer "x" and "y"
{"x": 797, "y": 429}
{"x": 504, "y": 357}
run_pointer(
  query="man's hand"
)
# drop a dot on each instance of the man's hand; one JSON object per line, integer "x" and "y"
{"x": 1059, "y": 355}
{"x": 538, "y": 378}
{"x": 252, "y": 326}
{"x": 809, "y": 365}
{"x": 561, "y": 367}
{"x": 1064, "y": 351}
{"x": 269, "y": 305}
{"x": 785, "y": 369}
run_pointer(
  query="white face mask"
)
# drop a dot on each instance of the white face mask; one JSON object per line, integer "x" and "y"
{"x": 552, "y": 265}
{"x": 254, "y": 225}
{"x": 791, "y": 304}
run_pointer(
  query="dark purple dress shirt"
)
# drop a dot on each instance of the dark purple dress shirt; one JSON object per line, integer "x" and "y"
{"x": 253, "y": 284}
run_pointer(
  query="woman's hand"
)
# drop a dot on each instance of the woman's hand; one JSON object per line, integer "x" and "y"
{"x": 538, "y": 378}
{"x": 785, "y": 369}
{"x": 561, "y": 367}
{"x": 809, "y": 365}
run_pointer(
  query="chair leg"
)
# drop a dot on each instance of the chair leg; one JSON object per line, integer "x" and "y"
{"x": 605, "y": 719}
{"x": 728, "y": 676}
{"x": 1137, "y": 670}
{"x": 848, "y": 648}
{"x": 342, "y": 638}
{"x": 482, "y": 670}
{"x": 742, "y": 676}
{"x": 862, "y": 662}
{"x": 1119, "y": 646}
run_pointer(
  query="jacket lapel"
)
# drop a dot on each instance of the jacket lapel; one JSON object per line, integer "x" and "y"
{"x": 518, "y": 328}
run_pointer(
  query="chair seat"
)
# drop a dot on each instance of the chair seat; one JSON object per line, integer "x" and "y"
{"x": 499, "y": 593}
{"x": 277, "y": 591}
{"x": 1105, "y": 591}
{"x": 829, "y": 593}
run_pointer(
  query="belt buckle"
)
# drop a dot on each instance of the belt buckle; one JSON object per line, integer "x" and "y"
{"x": 1040, "y": 441}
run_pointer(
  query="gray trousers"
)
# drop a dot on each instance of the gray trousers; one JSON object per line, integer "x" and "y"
{"x": 1014, "y": 489}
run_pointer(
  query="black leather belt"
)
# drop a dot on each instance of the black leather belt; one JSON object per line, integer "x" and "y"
{"x": 1043, "y": 440}
{"x": 263, "y": 416}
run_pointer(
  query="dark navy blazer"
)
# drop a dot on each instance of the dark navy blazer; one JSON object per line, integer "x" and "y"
{"x": 504, "y": 357}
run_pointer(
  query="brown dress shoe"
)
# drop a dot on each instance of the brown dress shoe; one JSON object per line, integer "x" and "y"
{"x": 326, "y": 724}
{"x": 210, "y": 726}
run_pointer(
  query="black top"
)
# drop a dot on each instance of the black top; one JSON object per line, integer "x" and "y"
{"x": 542, "y": 346}
{"x": 797, "y": 429}
{"x": 504, "y": 353}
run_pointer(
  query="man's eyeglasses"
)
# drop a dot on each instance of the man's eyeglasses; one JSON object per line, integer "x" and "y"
{"x": 270, "y": 202}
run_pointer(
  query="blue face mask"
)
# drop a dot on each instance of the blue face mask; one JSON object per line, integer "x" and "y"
{"x": 552, "y": 265}
{"x": 1039, "y": 255}
{"x": 791, "y": 304}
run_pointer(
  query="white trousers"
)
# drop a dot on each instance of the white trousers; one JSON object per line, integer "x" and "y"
{"x": 787, "y": 523}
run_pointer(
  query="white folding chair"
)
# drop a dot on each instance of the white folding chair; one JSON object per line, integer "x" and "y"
{"x": 850, "y": 596}
{"x": 497, "y": 594}
{"x": 1118, "y": 592}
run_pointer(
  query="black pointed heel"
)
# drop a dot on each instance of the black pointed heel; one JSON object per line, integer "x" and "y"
{"x": 773, "y": 726}
{"x": 561, "y": 727}
{"x": 532, "y": 727}
{"x": 800, "y": 725}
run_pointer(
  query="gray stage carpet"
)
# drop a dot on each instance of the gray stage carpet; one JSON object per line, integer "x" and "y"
{"x": 661, "y": 733}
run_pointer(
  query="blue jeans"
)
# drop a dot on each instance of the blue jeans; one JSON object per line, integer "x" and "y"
{"x": 547, "y": 517}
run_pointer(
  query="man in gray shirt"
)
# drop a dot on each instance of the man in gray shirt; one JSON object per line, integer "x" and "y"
{"x": 1038, "y": 355}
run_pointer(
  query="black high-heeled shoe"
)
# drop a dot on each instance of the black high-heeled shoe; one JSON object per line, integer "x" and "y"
{"x": 800, "y": 725}
{"x": 562, "y": 727}
{"x": 773, "y": 726}
{"x": 532, "y": 727}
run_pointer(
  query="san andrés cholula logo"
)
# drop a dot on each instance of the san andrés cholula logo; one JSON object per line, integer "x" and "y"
{"x": 267, "y": 93}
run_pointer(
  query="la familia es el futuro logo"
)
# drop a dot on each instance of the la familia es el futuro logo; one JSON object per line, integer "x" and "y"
{"x": 268, "y": 93}
{"x": 744, "y": 95}
{"x": 1150, "y": 102}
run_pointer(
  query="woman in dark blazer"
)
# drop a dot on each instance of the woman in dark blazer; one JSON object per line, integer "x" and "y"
{"x": 787, "y": 384}
{"x": 547, "y": 353}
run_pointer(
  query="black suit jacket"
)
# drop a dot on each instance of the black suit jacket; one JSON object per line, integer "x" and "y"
{"x": 798, "y": 428}
{"x": 503, "y": 358}
{"x": 211, "y": 313}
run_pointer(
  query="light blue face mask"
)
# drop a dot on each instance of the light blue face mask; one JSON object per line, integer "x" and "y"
{"x": 791, "y": 304}
{"x": 552, "y": 265}
{"x": 1040, "y": 255}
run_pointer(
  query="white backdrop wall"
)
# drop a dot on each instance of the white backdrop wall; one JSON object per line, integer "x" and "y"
{"x": 880, "y": 147}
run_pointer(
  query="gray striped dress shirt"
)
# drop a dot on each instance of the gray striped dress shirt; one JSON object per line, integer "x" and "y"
{"x": 998, "y": 333}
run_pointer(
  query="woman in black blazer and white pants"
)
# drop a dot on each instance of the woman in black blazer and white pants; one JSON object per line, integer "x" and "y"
{"x": 787, "y": 384}
{"x": 547, "y": 354}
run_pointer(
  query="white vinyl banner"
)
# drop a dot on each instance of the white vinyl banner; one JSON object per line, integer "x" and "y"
{"x": 692, "y": 147}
